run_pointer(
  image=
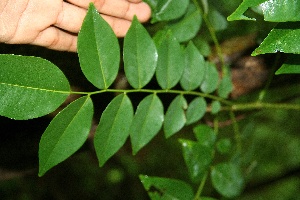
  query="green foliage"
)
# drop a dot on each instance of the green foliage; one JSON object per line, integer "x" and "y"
{"x": 99, "y": 60}
{"x": 31, "y": 87}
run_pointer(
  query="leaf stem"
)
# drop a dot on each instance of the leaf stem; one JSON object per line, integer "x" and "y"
{"x": 237, "y": 134}
{"x": 199, "y": 191}
{"x": 213, "y": 35}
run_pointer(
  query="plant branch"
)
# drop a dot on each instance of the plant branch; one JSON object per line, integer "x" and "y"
{"x": 199, "y": 191}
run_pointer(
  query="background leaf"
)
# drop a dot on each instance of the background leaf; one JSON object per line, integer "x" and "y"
{"x": 113, "y": 128}
{"x": 215, "y": 107}
{"x": 205, "y": 135}
{"x": 147, "y": 122}
{"x": 170, "y": 63}
{"x": 165, "y": 188}
{"x": 283, "y": 38}
{"x": 290, "y": 66}
{"x": 66, "y": 133}
{"x": 140, "y": 55}
{"x": 225, "y": 87}
{"x": 98, "y": 50}
{"x": 194, "y": 70}
{"x": 175, "y": 116}
{"x": 211, "y": 78}
{"x": 195, "y": 110}
{"x": 227, "y": 179}
{"x": 166, "y": 10}
{"x": 191, "y": 21}
{"x": 197, "y": 158}
{"x": 30, "y": 87}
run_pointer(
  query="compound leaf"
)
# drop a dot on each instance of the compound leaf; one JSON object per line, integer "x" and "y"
{"x": 113, "y": 129}
{"x": 175, "y": 116}
{"x": 205, "y": 135}
{"x": 140, "y": 55}
{"x": 30, "y": 87}
{"x": 165, "y": 188}
{"x": 66, "y": 133}
{"x": 147, "y": 121}
{"x": 98, "y": 50}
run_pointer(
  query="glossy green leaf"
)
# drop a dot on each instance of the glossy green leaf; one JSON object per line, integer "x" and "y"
{"x": 195, "y": 110}
{"x": 205, "y": 135}
{"x": 66, "y": 133}
{"x": 225, "y": 87}
{"x": 215, "y": 107}
{"x": 191, "y": 21}
{"x": 227, "y": 179}
{"x": 147, "y": 121}
{"x": 194, "y": 69}
{"x": 30, "y": 87}
{"x": 290, "y": 66}
{"x": 238, "y": 14}
{"x": 140, "y": 55}
{"x": 211, "y": 79}
{"x": 224, "y": 145}
{"x": 98, "y": 50}
{"x": 273, "y": 10}
{"x": 113, "y": 129}
{"x": 283, "y": 38}
{"x": 165, "y": 188}
{"x": 170, "y": 63}
{"x": 175, "y": 116}
{"x": 166, "y": 10}
{"x": 197, "y": 158}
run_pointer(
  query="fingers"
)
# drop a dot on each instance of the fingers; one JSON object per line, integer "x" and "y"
{"x": 118, "y": 8}
{"x": 71, "y": 18}
{"x": 54, "y": 38}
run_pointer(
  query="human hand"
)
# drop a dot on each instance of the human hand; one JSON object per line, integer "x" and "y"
{"x": 55, "y": 23}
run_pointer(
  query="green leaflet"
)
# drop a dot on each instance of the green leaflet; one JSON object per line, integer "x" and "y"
{"x": 165, "y": 188}
{"x": 140, "y": 55}
{"x": 205, "y": 135}
{"x": 290, "y": 66}
{"x": 211, "y": 79}
{"x": 225, "y": 86}
{"x": 195, "y": 110}
{"x": 66, "y": 133}
{"x": 194, "y": 69}
{"x": 283, "y": 38}
{"x": 197, "y": 158}
{"x": 166, "y": 10}
{"x": 113, "y": 129}
{"x": 227, "y": 179}
{"x": 175, "y": 116}
{"x": 30, "y": 87}
{"x": 273, "y": 10}
{"x": 147, "y": 121}
{"x": 191, "y": 21}
{"x": 98, "y": 50}
{"x": 170, "y": 63}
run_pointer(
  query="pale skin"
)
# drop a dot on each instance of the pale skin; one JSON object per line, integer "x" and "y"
{"x": 55, "y": 24}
